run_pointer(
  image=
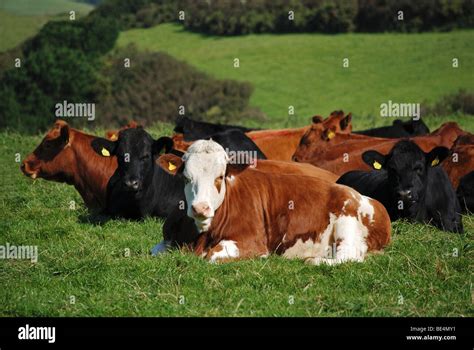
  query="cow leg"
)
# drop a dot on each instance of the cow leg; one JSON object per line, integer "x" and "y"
{"x": 350, "y": 243}
{"x": 223, "y": 251}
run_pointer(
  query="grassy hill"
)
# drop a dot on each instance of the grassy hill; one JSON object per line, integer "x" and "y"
{"x": 305, "y": 70}
{"x": 423, "y": 272}
{"x": 15, "y": 29}
{"x": 22, "y": 19}
{"x": 43, "y": 7}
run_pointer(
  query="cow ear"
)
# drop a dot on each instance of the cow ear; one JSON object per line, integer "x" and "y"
{"x": 163, "y": 142}
{"x": 104, "y": 147}
{"x": 171, "y": 163}
{"x": 374, "y": 159}
{"x": 317, "y": 119}
{"x": 63, "y": 128}
{"x": 437, "y": 155}
{"x": 346, "y": 121}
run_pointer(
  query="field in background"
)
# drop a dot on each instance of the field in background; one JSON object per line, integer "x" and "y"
{"x": 305, "y": 70}
{"x": 423, "y": 272}
{"x": 43, "y": 7}
{"x": 22, "y": 19}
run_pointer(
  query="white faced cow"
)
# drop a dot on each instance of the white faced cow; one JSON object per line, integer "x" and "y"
{"x": 242, "y": 212}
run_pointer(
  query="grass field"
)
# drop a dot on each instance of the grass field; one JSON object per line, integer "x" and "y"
{"x": 305, "y": 70}
{"x": 43, "y": 7}
{"x": 423, "y": 272}
{"x": 22, "y": 19}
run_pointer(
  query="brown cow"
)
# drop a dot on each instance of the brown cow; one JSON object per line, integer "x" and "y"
{"x": 180, "y": 230}
{"x": 243, "y": 212}
{"x": 461, "y": 160}
{"x": 281, "y": 144}
{"x": 112, "y": 135}
{"x": 65, "y": 155}
{"x": 340, "y": 153}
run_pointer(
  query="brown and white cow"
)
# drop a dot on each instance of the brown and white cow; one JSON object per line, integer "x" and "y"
{"x": 242, "y": 212}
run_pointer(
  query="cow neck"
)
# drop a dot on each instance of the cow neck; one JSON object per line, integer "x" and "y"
{"x": 91, "y": 172}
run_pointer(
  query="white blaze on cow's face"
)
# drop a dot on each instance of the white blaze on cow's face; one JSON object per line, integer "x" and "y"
{"x": 205, "y": 165}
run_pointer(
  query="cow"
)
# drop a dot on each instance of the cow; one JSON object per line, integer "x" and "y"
{"x": 461, "y": 159}
{"x": 65, "y": 155}
{"x": 243, "y": 212}
{"x": 113, "y": 134}
{"x": 194, "y": 130}
{"x": 410, "y": 184}
{"x": 341, "y": 152}
{"x": 179, "y": 229}
{"x": 282, "y": 144}
{"x": 465, "y": 192}
{"x": 141, "y": 188}
{"x": 398, "y": 129}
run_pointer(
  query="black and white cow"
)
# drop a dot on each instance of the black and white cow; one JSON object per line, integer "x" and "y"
{"x": 410, "y": 184}
{"x": 139, "y": 187}
{"x": 398, "y": 129}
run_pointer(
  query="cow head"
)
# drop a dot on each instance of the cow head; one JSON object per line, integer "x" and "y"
{"x": 113, "y": 134}
{"x": 136, "y": 152}
{"x": 322, "y": 134}
{"x": 204, "y": 167}
{"x": 50, "y": 159}
{"x": 407, "y": 166}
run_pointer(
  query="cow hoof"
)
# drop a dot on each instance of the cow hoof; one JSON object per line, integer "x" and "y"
{"x": 160, "y": 248}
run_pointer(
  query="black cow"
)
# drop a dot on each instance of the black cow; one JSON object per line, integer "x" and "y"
{"x": 410, "y": 185}
{"x": 465, "y": 192}
{"x": 139, "y": 187}
{"x": 195, "y": 130}
{"x": 398, "y": 129}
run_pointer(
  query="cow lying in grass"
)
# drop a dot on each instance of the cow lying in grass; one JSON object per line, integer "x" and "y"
{"x": 243, "y": 212}
{"x": 179, "y": 229}
{"x": 410, "y": 184}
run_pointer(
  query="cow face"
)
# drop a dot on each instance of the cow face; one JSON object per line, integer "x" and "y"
{"x": 203, "y": 167}
{"x": 322, "y": 134}
{"x": 406, "y": 167}
{"x": 136, "y": 151}
{"x": 51, "y": 158}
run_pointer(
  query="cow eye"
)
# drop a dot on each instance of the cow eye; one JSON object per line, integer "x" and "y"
{"x": 418, "y": 169}
{"x": 186, "y": 180}
{"x": 145, "y": 157}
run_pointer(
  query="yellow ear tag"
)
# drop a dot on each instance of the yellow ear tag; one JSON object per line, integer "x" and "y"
{"x": 171, "y": 166}
{"x": 114, "y": 137}
{"x": 435, "y": 162}
{"x": 331, "y": 134}
{"x": 377, "y": 165}
{"x": 105, "y": 152}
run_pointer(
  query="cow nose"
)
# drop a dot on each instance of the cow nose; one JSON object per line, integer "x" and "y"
{"x": 22, "y": 166}
{"x": 133, "y": 184}
{"x": 200, "y": 210}
{"x": 295, "y": 159}
{"x": 405, "y": 194}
